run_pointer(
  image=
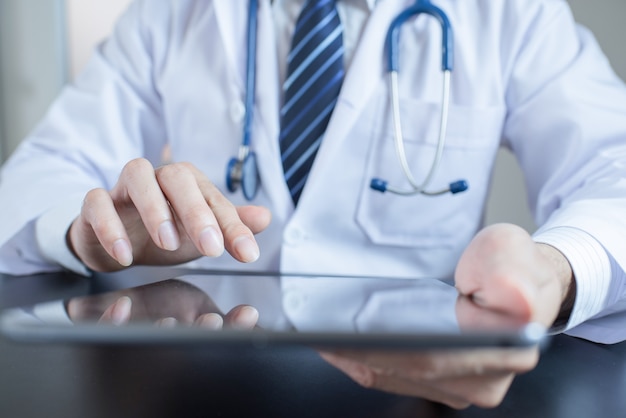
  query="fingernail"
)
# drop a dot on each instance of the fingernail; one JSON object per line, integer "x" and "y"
{"x": 122, "y": 252}
{"x": 247, "y": 317}
{"x": 246, "y": 249}
{"x": 168, "y": 322}
{"x": 211, "y": 321}
{"x": 211, "y": 242}
{"x": 168, "y": 236}
{"x": 121, "y": 311}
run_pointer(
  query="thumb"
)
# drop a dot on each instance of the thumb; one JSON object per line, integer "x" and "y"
{"x": 494, "y": 271}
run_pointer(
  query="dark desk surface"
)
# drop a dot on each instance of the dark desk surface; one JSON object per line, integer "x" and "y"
{"x": 574, "y": 378}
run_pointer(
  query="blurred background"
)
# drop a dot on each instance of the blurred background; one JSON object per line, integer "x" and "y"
{"x": 44, "y": 43}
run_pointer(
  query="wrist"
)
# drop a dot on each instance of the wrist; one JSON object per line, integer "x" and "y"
{"x": 563, "y": 272}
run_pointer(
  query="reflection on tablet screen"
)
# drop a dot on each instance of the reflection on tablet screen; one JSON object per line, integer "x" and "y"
{"x": 328, "y": 310}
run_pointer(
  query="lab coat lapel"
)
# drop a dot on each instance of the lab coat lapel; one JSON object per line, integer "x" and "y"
{"x": 231, "y": 17}
{"x": 266, "y": 116}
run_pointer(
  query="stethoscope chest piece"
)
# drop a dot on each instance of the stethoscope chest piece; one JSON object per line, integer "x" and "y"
{"x": 243, "y": 172}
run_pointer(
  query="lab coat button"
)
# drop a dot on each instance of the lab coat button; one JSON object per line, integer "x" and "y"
{"x": 294, "y": 235}
{"x": 237, "y": 111}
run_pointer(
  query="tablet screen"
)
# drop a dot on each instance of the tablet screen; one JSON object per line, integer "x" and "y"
{"x": 288, "y": 309}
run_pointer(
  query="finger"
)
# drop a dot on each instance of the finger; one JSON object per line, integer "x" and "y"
{"x": 238, "y": 238}
{"x": 179, "y": 182}
{"x": 138, "y": 187}
{"x": 242, "y": 317}
{"x": 486, "y": 391}
{"x": 119, "y": 313}
{"x": 256, "y": 218}
{"x": 448, "y": 363}
{"x": 458, "y": 392}
{"x": 211, "y": 321}
{"x": 98, "y": 213}
{"x": 168, "y": 322}
{"x": 376, "y": 379}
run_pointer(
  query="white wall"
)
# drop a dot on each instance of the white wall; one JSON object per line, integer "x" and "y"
{"x": 32, "y": 65}
{"x": 43, "y": 44}
{"x": 89, "y": 22}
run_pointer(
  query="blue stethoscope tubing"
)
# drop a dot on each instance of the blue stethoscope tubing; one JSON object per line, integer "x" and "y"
{"x": 243, "y": 170}
{"x": 392, "y": 43}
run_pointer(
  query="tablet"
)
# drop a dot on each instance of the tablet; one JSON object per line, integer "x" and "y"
{"x": 318, "y": 311}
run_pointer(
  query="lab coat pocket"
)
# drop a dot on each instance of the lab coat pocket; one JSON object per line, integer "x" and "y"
{"x": 430, "y": 221}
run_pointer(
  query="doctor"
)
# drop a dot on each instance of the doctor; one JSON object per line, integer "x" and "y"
{"x": 90, "y": 189}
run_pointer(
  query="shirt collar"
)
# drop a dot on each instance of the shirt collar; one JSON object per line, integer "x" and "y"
{"x": 370, "y": 3}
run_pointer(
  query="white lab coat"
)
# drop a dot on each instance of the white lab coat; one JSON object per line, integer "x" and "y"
{"x": 526, "y": 77}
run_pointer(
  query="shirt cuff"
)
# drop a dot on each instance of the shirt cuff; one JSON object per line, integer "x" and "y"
{"x": 590, "y": 264}
{"x": 51, "y": 229}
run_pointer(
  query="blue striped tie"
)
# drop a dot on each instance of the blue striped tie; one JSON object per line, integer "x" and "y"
{"x": 314, "y": 76}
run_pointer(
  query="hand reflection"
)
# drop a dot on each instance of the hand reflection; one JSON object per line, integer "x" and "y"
{"x": 457, "y": 378}
{"x": 168, "y": 303}
{"x": 507, "y": 279}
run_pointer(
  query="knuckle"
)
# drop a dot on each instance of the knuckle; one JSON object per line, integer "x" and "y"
{"x": 187, "y": 166}
{"x": 172, "y": 170}
{"x": 428, "y": 367}
{"x": 228, "y": 218}
{"x": 234, "y": 228}
{"x": 93, "y": 201}
{"x": 94, "y": 195}
{"x": 137, "y": 165}
{"x": 207, "y": 184}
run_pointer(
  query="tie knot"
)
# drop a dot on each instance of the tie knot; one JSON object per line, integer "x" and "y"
{"x": 320, "y": 3}
{"x": 315, "y": 10}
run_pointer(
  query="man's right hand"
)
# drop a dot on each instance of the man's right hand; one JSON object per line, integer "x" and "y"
{"x": 164, "y": 216}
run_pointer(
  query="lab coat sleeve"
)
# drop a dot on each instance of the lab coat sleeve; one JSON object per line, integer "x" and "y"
{"x": 110, "y": 115}
{"x": 567, "y": 126}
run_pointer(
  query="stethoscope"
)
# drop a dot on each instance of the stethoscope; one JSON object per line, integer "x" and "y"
{"x": 243, "y": 169}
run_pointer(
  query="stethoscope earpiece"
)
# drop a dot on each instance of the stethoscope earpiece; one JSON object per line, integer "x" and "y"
{"x": 379, "y": 185}
{"x": 382, "y": 186}
{"x": 458, "y": 186}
